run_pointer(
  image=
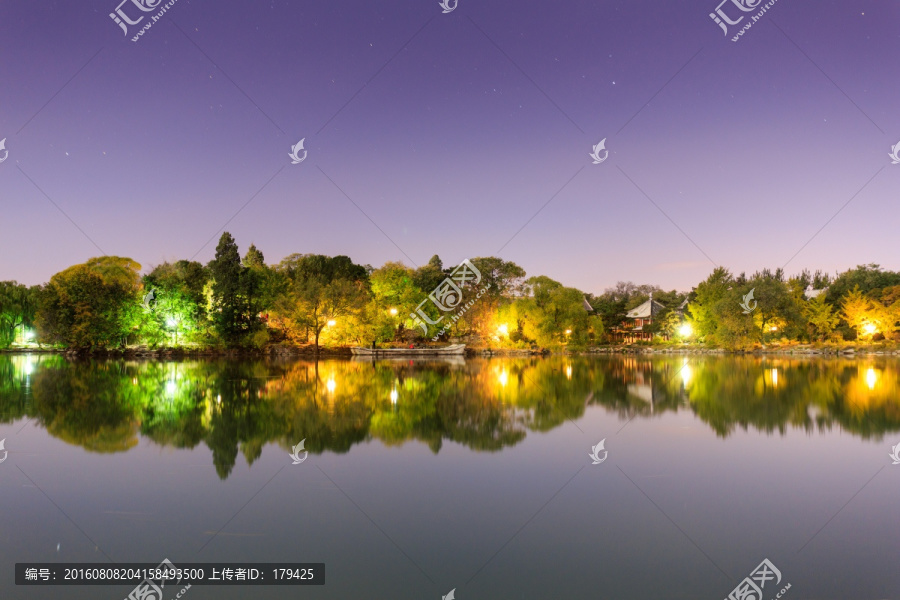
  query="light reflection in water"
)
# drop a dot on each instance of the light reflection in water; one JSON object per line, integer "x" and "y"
{"x": 231, "y": 406}
{"x": 871, "y": 378}
{"x": 686, "y": 374}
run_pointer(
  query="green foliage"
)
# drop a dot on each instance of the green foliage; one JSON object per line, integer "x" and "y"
{"x": 503, "y": 282}
{"x": 704, "y": 311}
{"x": 174, "y": 305}
{"x": 18, "y": 304}
{"x": 427, "y": 277}
{"x": 239, "y": 292}
{"x": 870, "y": 279}
{"x": 307, "y": 267}
{"x": 319, "y": 290}
{"x": 778, "y": 311}
{"x": 856, "y": 309}
{"x": 229, "y": 317}
{"x": 103, "y": 303}
{"x": 551, "y": 310}
{"x": 821, "y": 317}
{"x": 88, "y": 305}
{"x": 393, "y": 288}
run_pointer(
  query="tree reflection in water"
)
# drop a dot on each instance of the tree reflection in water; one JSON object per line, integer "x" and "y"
{"x": 240, "y": 405}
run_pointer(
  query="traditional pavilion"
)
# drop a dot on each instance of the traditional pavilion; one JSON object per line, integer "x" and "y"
{"x": 632, "y": 329}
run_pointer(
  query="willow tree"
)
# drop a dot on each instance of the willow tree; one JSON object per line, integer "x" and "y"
{"x": 17, "y": 307}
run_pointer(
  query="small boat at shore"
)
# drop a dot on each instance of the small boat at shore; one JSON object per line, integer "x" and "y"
{"x": 452, "y": 350}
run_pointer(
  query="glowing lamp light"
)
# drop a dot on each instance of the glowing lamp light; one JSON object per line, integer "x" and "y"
{"x": 870, "y": 329}
{"x": 568, "y": 332}
{"x": 773, "y": 328}
{"x": 503, "y": 329}
{"x": 332, "y": 323}
{"x": 393, "y": 312}
{"x": 685, "y": 330}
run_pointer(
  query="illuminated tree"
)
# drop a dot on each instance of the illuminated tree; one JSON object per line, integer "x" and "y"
{"x": 17, "y": 309}
{"x": 821, "y": 317}
{"x": 394, "y": 297}
{"x": 87, "y": 305}
{"x": 319, "y": 290}
{"x": 554, "y": 315}
{"x": 857, "y": 310}
{"x": 706, "y": 300}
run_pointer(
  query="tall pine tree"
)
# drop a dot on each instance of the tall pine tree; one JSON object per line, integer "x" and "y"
{"x": 229, "y": 315}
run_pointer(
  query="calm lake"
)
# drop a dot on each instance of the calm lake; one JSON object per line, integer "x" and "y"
{"x": 424, "y": 477}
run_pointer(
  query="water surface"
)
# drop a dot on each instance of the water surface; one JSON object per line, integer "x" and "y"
{"x": 422, "y": 477}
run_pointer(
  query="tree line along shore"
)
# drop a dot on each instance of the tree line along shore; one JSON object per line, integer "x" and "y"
{"x": 326, "y": 304}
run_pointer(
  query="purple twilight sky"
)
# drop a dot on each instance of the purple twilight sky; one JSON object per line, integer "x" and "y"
{"x": 448, "y": 133}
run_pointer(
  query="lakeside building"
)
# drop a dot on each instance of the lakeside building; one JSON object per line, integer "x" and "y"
{"x": 633, "y": 329}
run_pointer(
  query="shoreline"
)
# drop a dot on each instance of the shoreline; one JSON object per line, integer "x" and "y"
{"x": 848, "y": 351}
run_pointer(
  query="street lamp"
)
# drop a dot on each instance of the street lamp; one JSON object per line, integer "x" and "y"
{"x": 173, "y": 323}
